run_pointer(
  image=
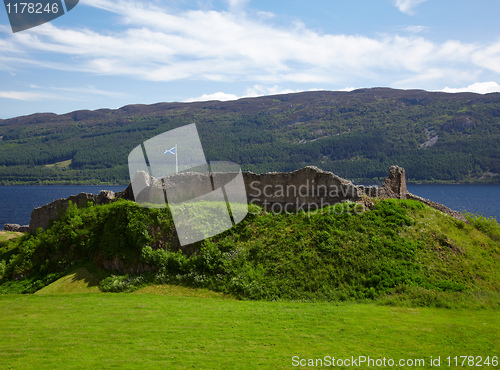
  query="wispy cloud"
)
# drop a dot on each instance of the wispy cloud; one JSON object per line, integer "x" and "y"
{"x": 206, "y": 45}
{"x": 91, "y": 90}
{"x": 26, "y": 95}
{"x": 407, "y": 6}
{"x": 478, "y": 87}
{"x": 489, "y": 57}
{"x": 215, "y": 96}
{"x": 38, "y": 93}
{"x": 252, "y": 92}
{"x": 237, "y": 5}
{"x": 413, "y": 29}
{"x": 260, "y": 90}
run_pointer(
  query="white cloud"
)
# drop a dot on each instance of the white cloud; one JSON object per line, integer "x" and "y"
{"x": 215, "y": 96}
{"x": 260, "y": 90}
{"x": 349, "y": 89}
{"x": 406, "y": 6}
{"x": 266, "y": 15}
{"x": 478, "y": 87}
{"x": 91, "y": 90}
{"x": 60, "y": 93}
{"x": 163, "y": 45}
{"x": 252, "y": 92}
{"x": 433, "y": 76}
{"x": 413, "y": 29}
{"x": 489, "y": 57}
{"x": 25, "y": 95}
{"x": 237, "y": 5}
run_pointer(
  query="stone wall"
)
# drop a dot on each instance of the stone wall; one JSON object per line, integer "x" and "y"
{"x": 439, "y": 207}
{"x": 395, "y": 185}
{"x": 306, "y": 189}
{"x": 41, "y": 216}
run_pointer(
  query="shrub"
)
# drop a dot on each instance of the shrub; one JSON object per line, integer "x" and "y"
{"x": 3, "y": 266}
{"x": 333, "y": 254}
{"x": 489, "y": 225}
{"x": 125, "y": 283}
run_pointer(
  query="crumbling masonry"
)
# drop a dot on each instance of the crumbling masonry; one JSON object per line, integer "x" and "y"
{"x": 300, "y": 189}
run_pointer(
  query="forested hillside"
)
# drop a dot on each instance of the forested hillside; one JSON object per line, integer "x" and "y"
{"x": 357, "y": 135}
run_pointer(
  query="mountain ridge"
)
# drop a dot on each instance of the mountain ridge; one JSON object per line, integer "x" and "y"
{"x": 356, "y": 134}
{"x": 136, "y": 108}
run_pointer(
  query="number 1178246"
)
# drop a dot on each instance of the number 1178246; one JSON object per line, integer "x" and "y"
{"x": 472, "y": 361}
{"x": 31, "y": 8}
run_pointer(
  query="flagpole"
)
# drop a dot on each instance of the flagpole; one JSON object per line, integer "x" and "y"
{"x": 176, "y": 163}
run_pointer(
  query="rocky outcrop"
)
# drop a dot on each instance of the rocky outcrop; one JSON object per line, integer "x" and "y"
{"x": 306, "y": 189}
{"x": 16, "y": 228}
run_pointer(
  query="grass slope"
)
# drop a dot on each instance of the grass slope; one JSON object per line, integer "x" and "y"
{"x": 400, "y": 252}
{"x": 150, "y": 331}
{"x": 79, "y": 281}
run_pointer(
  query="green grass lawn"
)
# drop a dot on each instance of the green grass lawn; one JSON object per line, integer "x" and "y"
{"x": 181, "y": 328}
{"x": 404, "y": 255}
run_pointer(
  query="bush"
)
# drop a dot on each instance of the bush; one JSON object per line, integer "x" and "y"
{"x": 330, "y": 255}
{"x": 489, "y": 225}
{"x": 3, "y": 266}
{"x": 117, "y": 284}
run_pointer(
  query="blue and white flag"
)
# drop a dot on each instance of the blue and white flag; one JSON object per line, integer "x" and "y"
{"x": 170, "y": 151}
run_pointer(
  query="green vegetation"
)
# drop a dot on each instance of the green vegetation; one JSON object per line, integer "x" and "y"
{"x": 6, "y": 235}
{"x": 79, "y": 281}
{"x": 357, "y": 135}
{"x": 173, "y": 331}
{"x": 400, "y": 281}
{"x": 487, "y": 225}
{"x": 61, "y": 164}
{"x": 400, "y": 252}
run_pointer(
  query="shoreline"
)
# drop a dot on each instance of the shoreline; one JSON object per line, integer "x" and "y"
{"x": 354, "y": 181}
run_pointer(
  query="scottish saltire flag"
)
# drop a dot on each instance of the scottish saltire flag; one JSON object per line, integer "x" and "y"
{"x": 170, "y": 151}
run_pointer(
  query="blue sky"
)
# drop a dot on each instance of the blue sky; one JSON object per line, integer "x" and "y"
{"x": 110, "y": 53}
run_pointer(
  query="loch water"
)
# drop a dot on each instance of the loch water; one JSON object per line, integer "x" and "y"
{"x": 17, "y": 202}
{"x": 482, "y": 199}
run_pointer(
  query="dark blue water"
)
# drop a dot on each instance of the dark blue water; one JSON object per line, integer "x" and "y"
{"x": 17, "y": 202}
{"x": 481, "y": 199}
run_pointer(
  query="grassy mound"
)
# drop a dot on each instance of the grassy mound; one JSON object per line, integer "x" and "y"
{"x": 400, "y": 252}
{"x": 80, "y": 281}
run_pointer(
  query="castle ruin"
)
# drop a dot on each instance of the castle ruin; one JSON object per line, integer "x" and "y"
{"x": 305, "y": 189}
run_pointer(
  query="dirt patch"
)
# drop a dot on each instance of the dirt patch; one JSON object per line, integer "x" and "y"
{"x": 6, "y": 235}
